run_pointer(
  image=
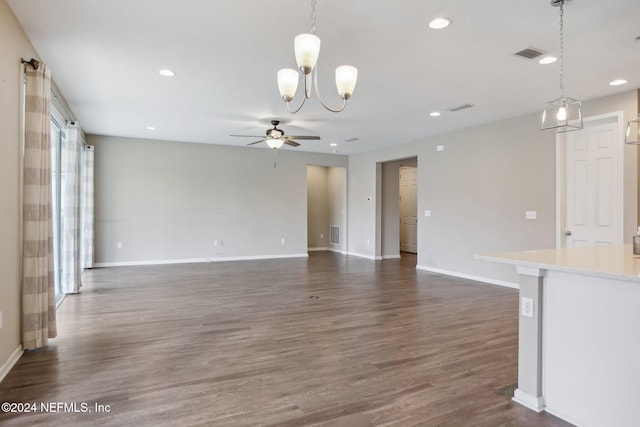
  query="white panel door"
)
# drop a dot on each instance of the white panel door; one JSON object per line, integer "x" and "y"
{"x": 408, "y": 209}
{"x": 592, "y": 193}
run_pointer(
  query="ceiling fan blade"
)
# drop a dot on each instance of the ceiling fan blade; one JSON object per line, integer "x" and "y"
{"x": 257, "y": 142}
{"x": 249, "y": 136}
{"x": 308, "y": 137}
{"x": 291, "y": 143}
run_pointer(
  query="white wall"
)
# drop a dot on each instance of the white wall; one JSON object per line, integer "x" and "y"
{"x": 170, "y": 201}
{"x": 13, "y": 46}
{"x": 478, "y": 190}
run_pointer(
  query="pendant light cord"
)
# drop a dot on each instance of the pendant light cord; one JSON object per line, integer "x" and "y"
{"x": 562, "y": 48}
{"x": 313, "y": 17}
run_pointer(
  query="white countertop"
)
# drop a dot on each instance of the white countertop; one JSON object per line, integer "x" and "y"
{"x": 616, "y": 261}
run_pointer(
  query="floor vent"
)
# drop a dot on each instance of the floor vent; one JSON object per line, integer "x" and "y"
{"x": 334, "y": 235}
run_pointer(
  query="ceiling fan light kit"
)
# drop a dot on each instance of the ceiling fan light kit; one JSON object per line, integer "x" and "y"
{"x": 563, "y": 114}
{"x": 276, "y": 138}
{"x": 307, "y": 50}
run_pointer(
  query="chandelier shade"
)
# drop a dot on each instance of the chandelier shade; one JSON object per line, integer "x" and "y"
{"x": 287, "y": 83}
{"x": 307, "y": 49}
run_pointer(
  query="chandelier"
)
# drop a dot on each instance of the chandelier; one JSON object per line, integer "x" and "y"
{"x": 307, "y": 49}
{"x": 562, "y": 114}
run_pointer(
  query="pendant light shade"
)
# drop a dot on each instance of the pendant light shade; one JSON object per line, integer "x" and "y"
{"x": 632, "y": 136}
{"x": 562, "y": 115}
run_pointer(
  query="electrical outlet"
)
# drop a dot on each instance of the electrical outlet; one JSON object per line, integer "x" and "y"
{"x": 215, "y": 243}
{"x": 284, "y": 240}
{"x": 119, "y": 245}
{"x": 321, "y": 236}
{"x": 527, "y": 307}
{"x": 427, "y": 213}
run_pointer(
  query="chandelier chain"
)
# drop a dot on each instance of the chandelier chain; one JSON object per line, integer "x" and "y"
{"x": 313, "y": 17}
{"x": 562, "y": 48}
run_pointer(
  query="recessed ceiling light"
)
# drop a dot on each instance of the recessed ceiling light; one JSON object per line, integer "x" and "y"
{"x": 439, "y": 23}
{"x": 166, "y": 72}
{"x": 547, "y": 60}
{"x": 435, "y": 114}
{"x": 333, "y": 144}
{"x": 150, "y": 128}
{"x": 617, "y": 82}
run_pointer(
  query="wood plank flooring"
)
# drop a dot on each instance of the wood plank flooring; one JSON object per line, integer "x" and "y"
{"x": 244, "y": 344}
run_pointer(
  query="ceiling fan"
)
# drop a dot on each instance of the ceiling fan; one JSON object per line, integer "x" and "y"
{"x": 276, "y": 138}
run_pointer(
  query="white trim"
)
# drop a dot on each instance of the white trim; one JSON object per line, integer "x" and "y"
{"x": 197, "y": 260}
{"x": 528, "y": 400}
{"x": 10, "y": 363}
{"x": 560, "y": 174}
{"x": 391, "y": 256}
{"x": 375, "y": 258}
{"x": 530, "y": 271}
{"x": 470, "y": 277}
{"x": 337, "y": 250}
{"x": 317, "y": 249}
{"x": 563, "y": 416}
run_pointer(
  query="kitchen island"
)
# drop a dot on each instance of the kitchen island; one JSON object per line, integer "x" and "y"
{"x": 579, "y": 333}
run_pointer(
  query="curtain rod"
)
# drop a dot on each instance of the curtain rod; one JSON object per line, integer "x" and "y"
{"x": 33, "y": 62}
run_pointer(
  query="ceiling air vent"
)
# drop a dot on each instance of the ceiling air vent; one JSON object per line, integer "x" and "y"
{"x": 460, "y": 107}
{"x": 529, "y": 53}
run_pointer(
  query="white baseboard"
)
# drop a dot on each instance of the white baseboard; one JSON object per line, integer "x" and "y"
{"x": 528, "y": 400}
{"x": 336, "y": 250}
{"x": 391, "y": 256}
{"x": 375, "y": 258}
{"x": 317, "y": 249}
{"x": 197, "y": 260}
{"x": 470, "y": 277}
{"x": 13, "y": 359}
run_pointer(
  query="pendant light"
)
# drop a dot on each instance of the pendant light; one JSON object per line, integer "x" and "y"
{"x": 307, "y": 49}
{"x": 562, "y": 114}
{"x": 633, "y": 131}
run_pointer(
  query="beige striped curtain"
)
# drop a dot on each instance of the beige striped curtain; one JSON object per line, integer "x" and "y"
{"x": 38, "y": 282}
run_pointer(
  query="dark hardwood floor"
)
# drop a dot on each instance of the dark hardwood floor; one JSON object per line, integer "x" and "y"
{"x": 332, "y": 340}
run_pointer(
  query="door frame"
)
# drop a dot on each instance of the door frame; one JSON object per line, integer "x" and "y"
{"x": 561, "y": 172}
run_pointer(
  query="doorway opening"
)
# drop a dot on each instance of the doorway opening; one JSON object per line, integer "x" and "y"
{"x": 399, "y": 208}
{"x": 326, "y": 208}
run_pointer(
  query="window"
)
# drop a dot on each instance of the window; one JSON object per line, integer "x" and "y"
{"x": 57, "y": 187}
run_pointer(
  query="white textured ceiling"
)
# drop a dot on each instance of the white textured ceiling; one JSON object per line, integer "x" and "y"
{"x": 105, "y": 56}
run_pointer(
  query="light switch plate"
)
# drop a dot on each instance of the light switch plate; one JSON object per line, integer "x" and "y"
{"x": 531, "y": 215}
{"x": 427, "y": 213}
{"x": 439, "y": 147}
{"x": 527, "y": 307}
